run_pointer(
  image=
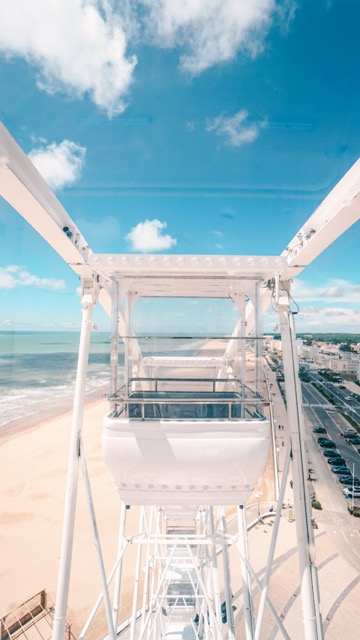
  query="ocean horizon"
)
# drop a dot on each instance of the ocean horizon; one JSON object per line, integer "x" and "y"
{"x": 38, "y": 369}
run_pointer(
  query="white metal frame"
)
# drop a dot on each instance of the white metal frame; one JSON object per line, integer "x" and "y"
{"x": 210, "y": 276}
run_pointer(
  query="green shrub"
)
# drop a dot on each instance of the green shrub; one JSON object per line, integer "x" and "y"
{"x": 316, "y": 504}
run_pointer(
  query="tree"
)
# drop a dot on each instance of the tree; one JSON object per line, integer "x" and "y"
{"x": 345, "y": 347}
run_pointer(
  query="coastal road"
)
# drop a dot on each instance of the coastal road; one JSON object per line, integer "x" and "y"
{"x": 319, "y": 412}
{"x": 342, "y": 528}
{"x": 346, "y": 400}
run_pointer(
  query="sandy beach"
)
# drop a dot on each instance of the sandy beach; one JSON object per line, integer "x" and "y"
{"x": 33, "y": 480}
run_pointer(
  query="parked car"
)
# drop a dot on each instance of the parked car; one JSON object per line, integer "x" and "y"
{"x": 329, "y": 444}
{"x": 337, "y": 460}
{"x": 319, "y": 430}
{"x": 341, "y": 469}
{"x": 349, "y": 493}
{"x": 355, "y": 440}
{"x": 322, "y": 438}
{"x": 331, "y": 453}
{"x": 350, "y": 480}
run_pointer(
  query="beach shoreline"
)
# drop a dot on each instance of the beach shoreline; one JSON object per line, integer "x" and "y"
{"x": 19, "y": 426}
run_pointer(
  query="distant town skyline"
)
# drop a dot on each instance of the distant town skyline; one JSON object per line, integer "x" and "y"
{"x": 196, "y": 128}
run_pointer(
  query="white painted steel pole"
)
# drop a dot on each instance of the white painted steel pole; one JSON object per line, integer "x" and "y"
{"x": 273, "y": 437}
{"x": 153, "y": 575}
{"x": 227, "y": 579}
{"x": 114, "y": 352}
{"x": 269, "y": 562}
{"x": 258, "y": 340}
{"x": 147, "y": 566}
{"x": 273, "y": 612}
{"x": 243, "y": 352}
{"x": 117, "y": 579}
{"x": 126, "y": 343}
{"x": 203, "y": 587}
{"x": 97, "y": 604}
{"x": 105, "y": 591}
{"x": 202, "y": 561}
{"x": 210, "y": 627}
{"x": 137, "y": 580}
{"x": 62, "y": 594}
{"x": 156, "y": 596}
{"x": 215, "y": 568}
{"x": 305, "y": 535}
{"x": 246, "y": 583}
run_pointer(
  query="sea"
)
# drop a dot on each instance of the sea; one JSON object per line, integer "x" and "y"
{"x": 38, "y": 370}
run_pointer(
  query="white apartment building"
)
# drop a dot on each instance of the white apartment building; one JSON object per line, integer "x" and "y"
{"x": 344, "y": 365}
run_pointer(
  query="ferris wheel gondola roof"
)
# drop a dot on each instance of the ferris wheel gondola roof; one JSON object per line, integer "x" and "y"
{"x": 211, "y": 275}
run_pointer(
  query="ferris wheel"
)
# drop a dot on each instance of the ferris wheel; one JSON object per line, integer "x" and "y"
{"x": 190, "y": 430}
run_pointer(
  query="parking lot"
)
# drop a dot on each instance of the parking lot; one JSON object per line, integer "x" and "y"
{"x": 322, "y": 414}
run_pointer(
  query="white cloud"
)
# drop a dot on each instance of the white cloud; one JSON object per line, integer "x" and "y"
{"x": 335, "y": 289}
{"x": 14, "y": 275}
{"x": 80, "y": 47}
{"x": 59, "y": 164}
{"x": 335, "y": 313}
{"x": 310, "y": 310}
{"x": 320, "y": 319}
{"x": 218, "y": 235}
{"x": 32, "y": 324}
{"x": 333, "y": 306}
{"x": 236, "y": 130}
{"x": 327, "y": 318}
{"x": 333, "y": 292}
{"x": 148, "y": 236}
{"x": 6, "y": 323}
{"x": 77, "y": 47}
{"x": 212, "y": 31}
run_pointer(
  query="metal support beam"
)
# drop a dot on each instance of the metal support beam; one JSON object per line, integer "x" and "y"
{"x": 275, "y": 531}
{"x": 227, "y": 579}
{"x": 105, "y": 591}
{"x": 306, "y": 546}
{"x": 137, "y": 580}
{"x": 246, "y": 583}
{"x": 88, "y": 301}
{"x": 258, "y": 340}
{"x": 273, "y": 437}
{"x": 114, "y": 352}
{"x": 148, "y": 565}
{"x": 98, "y": 602}
{"x": 118, "y": 574}
{"x": 215, "y": 568}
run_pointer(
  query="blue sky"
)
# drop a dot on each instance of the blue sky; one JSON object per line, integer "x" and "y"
{"x": 202, "y": 126}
